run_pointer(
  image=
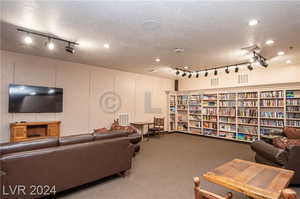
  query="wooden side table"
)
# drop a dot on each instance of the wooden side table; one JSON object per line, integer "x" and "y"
{"x": 140, "y": 126}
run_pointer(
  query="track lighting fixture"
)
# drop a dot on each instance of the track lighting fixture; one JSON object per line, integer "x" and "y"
{"x": 177, "y": 72}
{"x": 184, "y": 74}
{"x": 206, "y": 73}
{"x": 70, "y": 49}
{"x": 250, "y": 67}
{"x": 190, "y": 75}
{"x": 50, "y": 45}
{"x": 216, "y": 72}
{"x": 236, "y": 69}
{"x": 227, "y": 70}
{"x": 197, "y": 75}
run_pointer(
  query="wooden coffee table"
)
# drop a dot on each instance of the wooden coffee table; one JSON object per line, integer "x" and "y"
{"x": 252, "y": 179}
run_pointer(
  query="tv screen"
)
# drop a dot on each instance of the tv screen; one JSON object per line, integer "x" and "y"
{"x": 35, "y": 99}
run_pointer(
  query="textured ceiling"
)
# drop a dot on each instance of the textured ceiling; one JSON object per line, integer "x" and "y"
{"x": 211, "y": 33}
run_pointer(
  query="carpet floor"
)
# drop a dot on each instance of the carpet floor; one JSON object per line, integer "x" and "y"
{"x": 164, "y": 169}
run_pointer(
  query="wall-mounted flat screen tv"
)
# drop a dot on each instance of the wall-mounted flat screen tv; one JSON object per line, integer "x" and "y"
{"x": 35, "y": 99}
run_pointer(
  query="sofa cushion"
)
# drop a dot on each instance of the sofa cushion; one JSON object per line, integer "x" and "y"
{"x": 291, "y": 133}
{"x": 280, "y": 142}
{"x": 270, "y": 152}
{"x": 28, "y": 145}
{"x": 110, "y": 135}
{"x": 75, "y": 139}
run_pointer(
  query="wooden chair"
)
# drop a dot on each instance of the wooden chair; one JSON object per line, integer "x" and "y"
{"x": 158, "y": 126}
{"x": 203, "y": 194}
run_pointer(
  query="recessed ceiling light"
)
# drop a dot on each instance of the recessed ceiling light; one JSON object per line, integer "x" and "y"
{"x": 106, "y": 45}
{"x": 157, "y": 60}
{"x": 186, "y": 67}
{"x": 253, "y": 22}
{"x": 288, "y": 61}
{"x": 269, "y": 42}
{"x": 28, "y": 40}
{"x": 280, "y": 53}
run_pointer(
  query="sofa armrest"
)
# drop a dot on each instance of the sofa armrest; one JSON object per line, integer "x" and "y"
{"x": 294, "y": 162}
{"x": 270, "y": 152}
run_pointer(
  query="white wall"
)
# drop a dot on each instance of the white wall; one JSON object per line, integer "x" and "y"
{"x": 273, "y": 75}
{"x": 83, "y": 86}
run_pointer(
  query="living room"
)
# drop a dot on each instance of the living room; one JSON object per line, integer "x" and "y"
{"x": 106, "y": 99}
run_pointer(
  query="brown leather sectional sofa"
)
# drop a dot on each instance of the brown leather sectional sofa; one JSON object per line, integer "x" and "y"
{"x": 30, "y": 169}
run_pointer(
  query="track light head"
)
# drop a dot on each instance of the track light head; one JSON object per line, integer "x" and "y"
{"x": 197, "y": 75}
{"x": 227, "y": 70}
{"x": 250, "y": 67}
{"x": 50, "y": 44}
{"x": 236, "y": 69}
{"x": 190, "y": 75}
{"x": 216, "y": 72}
{"x": 184, "y": 74}
{"x": 28, "y": 40}
{"x": 206, "y": 73}
{"x": 70, "y": 49}
{"x": 177, "y": 72}
{"x": 262, "y": 62}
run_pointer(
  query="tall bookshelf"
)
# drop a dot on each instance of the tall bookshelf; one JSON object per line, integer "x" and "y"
{"x": 210, "y": 114}
{"x": 172, "y": 112}
{"x": 227, "y": 115}
{"x": 271, "y": 112}
{"x": 293, "y": 108}
{"x": 242, "y": 116}
{"x": 247, "y": 116}
{"x": 195, "y": 114}
{"x": 182, "y": 113}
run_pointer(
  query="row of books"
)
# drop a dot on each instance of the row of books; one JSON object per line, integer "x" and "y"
{"x": 250, "y": 103}
{"x": 251, "y": 130}
{"x": 228, "y": 96}
{"x": 293, "y": 102}
{"x": 195, "y": 108}
{"x": 248, "y": 112}
{"x": 272, "y": 94}
{"x": 209, "y": 111}
{"x": 277, "y": 123}
{"x": 293, "y": 123}
{"x": 194, "y": 124}
{"x": 247, "y": 121}
{"x": 293, "y": 115}
{"x": 195, "y": 117}
{"x": 227, "y": 111}
{"x": 210, "y": 132}
{"x": 247, "y": 95}
{"x": 227, "y": 119}
{"x": 227, "y": 127}
{"x": 293, "y": 108}
{"x": 210, "y": 125}
{"x": 209, "y": 103}
{"x": 246, "y": 137}
{"x": 272, "y": 103}
{"x": 272, "y": 114}
{"x": 210, "y": 118}
{"x": 227, "y": 135}
{"x": 227, "y": 103}
{"x": 209, "y": 97}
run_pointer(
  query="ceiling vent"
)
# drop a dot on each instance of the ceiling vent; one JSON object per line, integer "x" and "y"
{"x": 243, "y": 79}
{"x": 214, "y": 82}
{"x": 178, "y": 50}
